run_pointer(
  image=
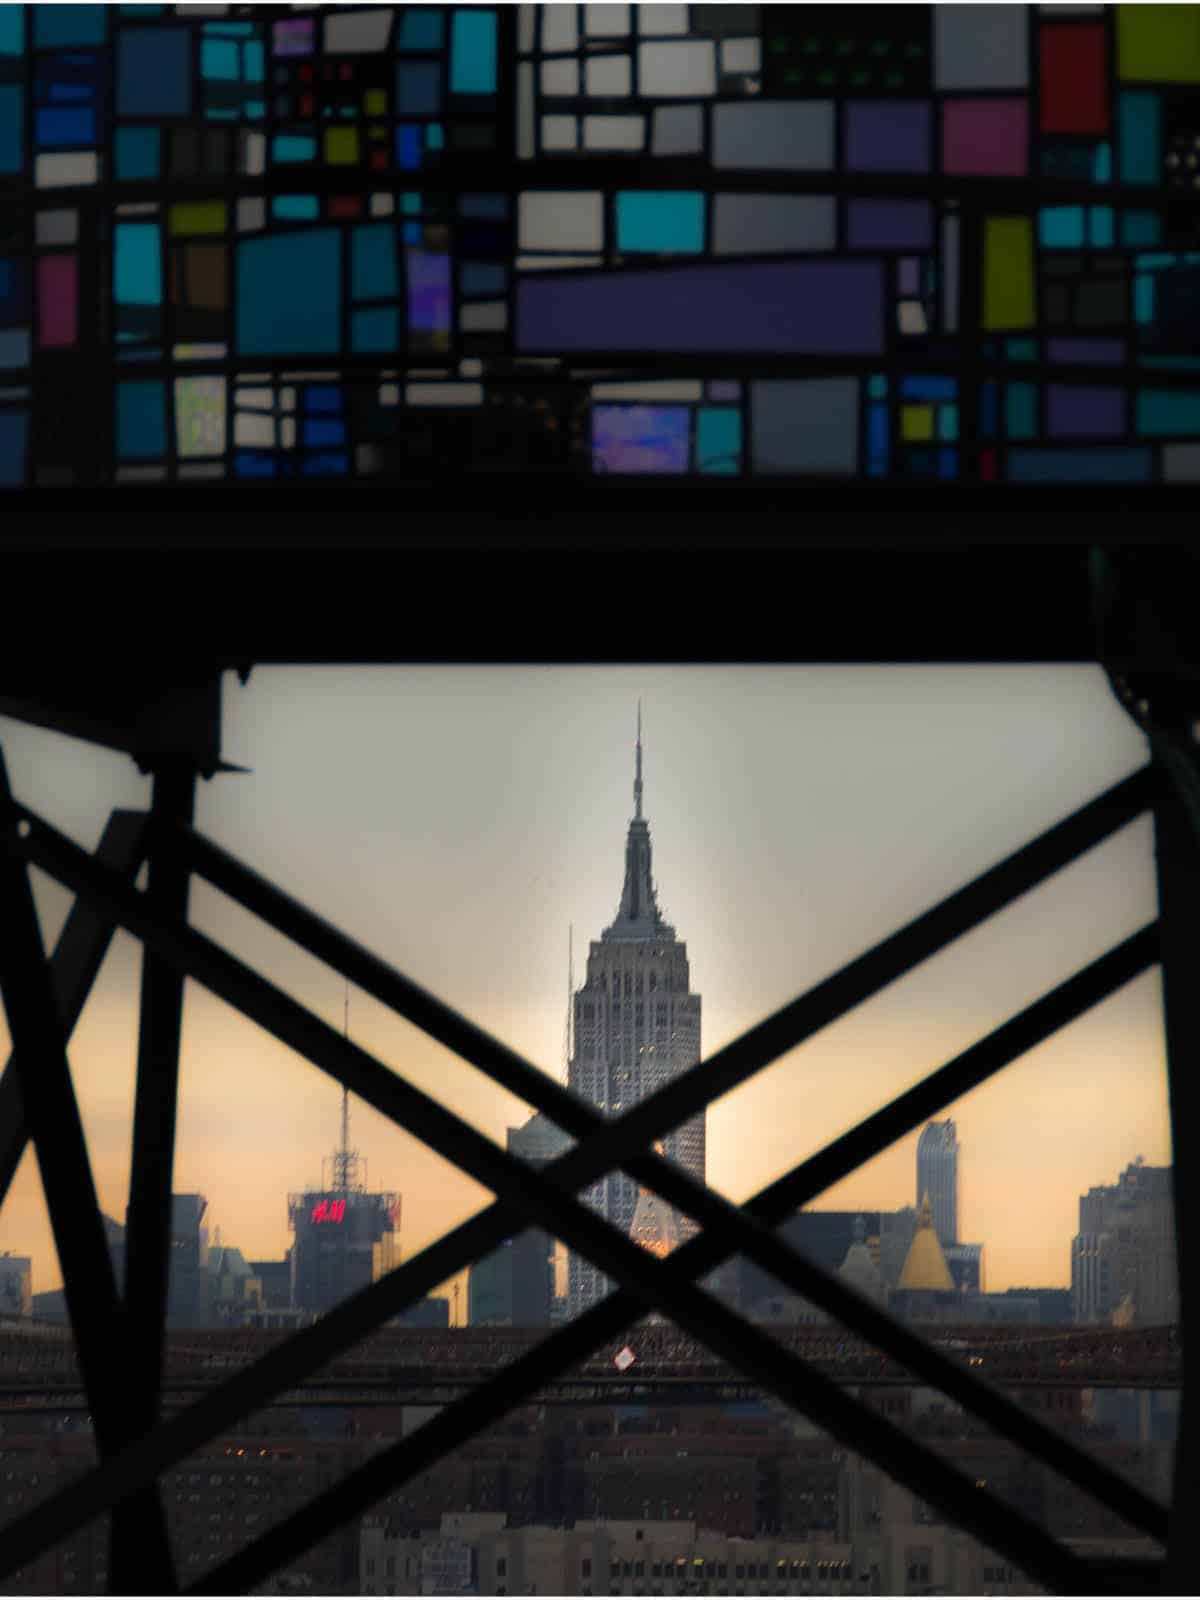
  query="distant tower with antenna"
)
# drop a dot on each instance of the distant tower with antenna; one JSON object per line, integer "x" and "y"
{"x": 343, "y": 1237}
{"x": 635, "y": 1027}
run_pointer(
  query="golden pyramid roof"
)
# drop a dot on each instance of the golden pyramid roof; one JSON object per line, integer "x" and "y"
{"x": 925, "y": 1265}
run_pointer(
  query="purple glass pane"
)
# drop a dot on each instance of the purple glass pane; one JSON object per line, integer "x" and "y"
{"x": 1092, "y": 352}
{"x": 640, "y": 438}
{"x": 888, "y": 136}
{"x": 428, "y": 291}
{"x": 821, "y": 307}
{"x": 890, "y": 225}
{"x": 294, "y": 37}
{"x": 1092, "y": 412}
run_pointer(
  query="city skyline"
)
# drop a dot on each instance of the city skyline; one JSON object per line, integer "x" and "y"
{"x": 800, "y": 814}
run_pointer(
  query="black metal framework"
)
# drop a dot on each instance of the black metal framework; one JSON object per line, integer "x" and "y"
{"x": 43, "y": 1000}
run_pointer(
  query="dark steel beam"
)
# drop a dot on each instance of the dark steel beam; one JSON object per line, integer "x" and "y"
{"x": 1177, "y": 860}
{"x": 290, "y": 1363}
{"x": 52, "y": 1115}
{"x": 78, "y": 956}
{"x": 250, "y": 998}
{"x": 148, "y": 1252}
{"x": 469, "y": 1041}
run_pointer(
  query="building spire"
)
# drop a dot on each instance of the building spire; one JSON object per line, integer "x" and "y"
{"x": 637, "y": 781}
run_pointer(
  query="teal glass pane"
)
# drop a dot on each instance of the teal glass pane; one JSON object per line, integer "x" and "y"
{"x": 137, "y": 264}
{"x": 1141, "y": 228}
{"x": 1061, "y": 227}
{"x": 1139, "y": 121}
{"x": 219, "y": 59}
{"x": 12, "y": 30}
{"x": 289, "y": 293}
{"x": 660, "y": 220}
{"x": 1020, "y": 410}
{"x": 948, "y": 422}
{"x": 719, "y": 439}
{"x": 55, "y": 25}
{"x": 1102, "y": 163}
{"x": 877, "y": 387}
{"x": 420, "y": 30}
{"x": 137, "y": 153}
{"x": 1100, "y": 226}
{"x": 142, "y": 418}
{"x": 293, "y": 147}
{"x": 12, "y": 144}
{"x": 296, "y": 207}
{"x": 1021, "y": 349}
{"x": 373, "y": 274}
{"x": 1143, "y": 298}
{"x": 473, "y": 52}
{"x": 1172, "y": 411}
{"x": 375, "y": 329}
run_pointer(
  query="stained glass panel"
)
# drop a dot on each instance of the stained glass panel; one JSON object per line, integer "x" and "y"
{"x": 951, "y": 243}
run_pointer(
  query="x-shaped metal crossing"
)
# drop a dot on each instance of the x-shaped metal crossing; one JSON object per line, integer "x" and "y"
{"x": 42, "y": 1011}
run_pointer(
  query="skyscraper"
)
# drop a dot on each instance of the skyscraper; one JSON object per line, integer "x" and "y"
{"x": 636, "y": 1026}
{"x": 937, "y": 1176}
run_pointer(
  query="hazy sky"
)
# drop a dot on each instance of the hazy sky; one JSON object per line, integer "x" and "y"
{"x": 458, "y": 819}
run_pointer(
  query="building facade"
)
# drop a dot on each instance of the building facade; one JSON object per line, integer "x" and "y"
{"x": 1124, "y": 1252}
{"x": 513, "y": 1286}
{"x": 636, "y": 1027}
{"x": 937, "y": 1177}
{"x": 16, "y": 1285}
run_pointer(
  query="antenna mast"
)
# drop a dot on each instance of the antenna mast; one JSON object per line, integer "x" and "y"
{"x": 345, "y": 1160}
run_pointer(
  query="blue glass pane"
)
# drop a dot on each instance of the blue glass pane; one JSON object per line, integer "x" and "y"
{"x": 289, "y": 293}
{"x": 14, "y": 437}
{"x": 141, "y": 418}
{"x": 482, "y": 277}
{"x": 251, "y": 465}
{"x": 325, "y": 398}
{"x": 660, "y": 220}
{"x": 154, "y": 72}
{"x": 1080, "y": 465}
{"x": 319, "y": 466}
{"x": 418, "y": 88}
{"x": 323, "y": 433}
{"x": 60, "y": 127}
{"x": 408, "y": 146}
{"x": 473, "y": 52}
{"x": 12, "y": 102}
{"x": 923, "y": 388}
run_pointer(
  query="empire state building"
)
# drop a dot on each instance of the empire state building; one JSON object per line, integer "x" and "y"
{"x": 636, "y": 1026}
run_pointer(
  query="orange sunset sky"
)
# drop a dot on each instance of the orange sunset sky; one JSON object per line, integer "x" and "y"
{"x": 458, "y": 819}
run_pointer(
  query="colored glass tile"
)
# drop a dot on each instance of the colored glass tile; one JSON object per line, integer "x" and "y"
{"x": 154, "y": 72}
{"x": 1074, "y": 78}
{"x": 137, "y": 153}
{"x": 141, "y": 418}
{"x": 986, "y": 137}
{"x": 718, "y": 439}
{"x": 1139, "y": 138}
{"x": 1167, "y": 411}
{"x": 289, "y": 293}
{"x": 660, "y": 220}
{"x": 1008, "y": 273}
{"x": 1158, "y": 43}
{"x": 473, "y": 43}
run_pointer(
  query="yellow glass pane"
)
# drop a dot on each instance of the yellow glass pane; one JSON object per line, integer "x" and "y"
{"x": 197, "y": 217}
{"x": 1158, "y": 43}
{"x": 377, "y": 132}
{"x": 341, "y": 146}
{"x": 916, "y": 423}
{"x": 1008, "y": 283}
{"x": 376, "y": 102}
